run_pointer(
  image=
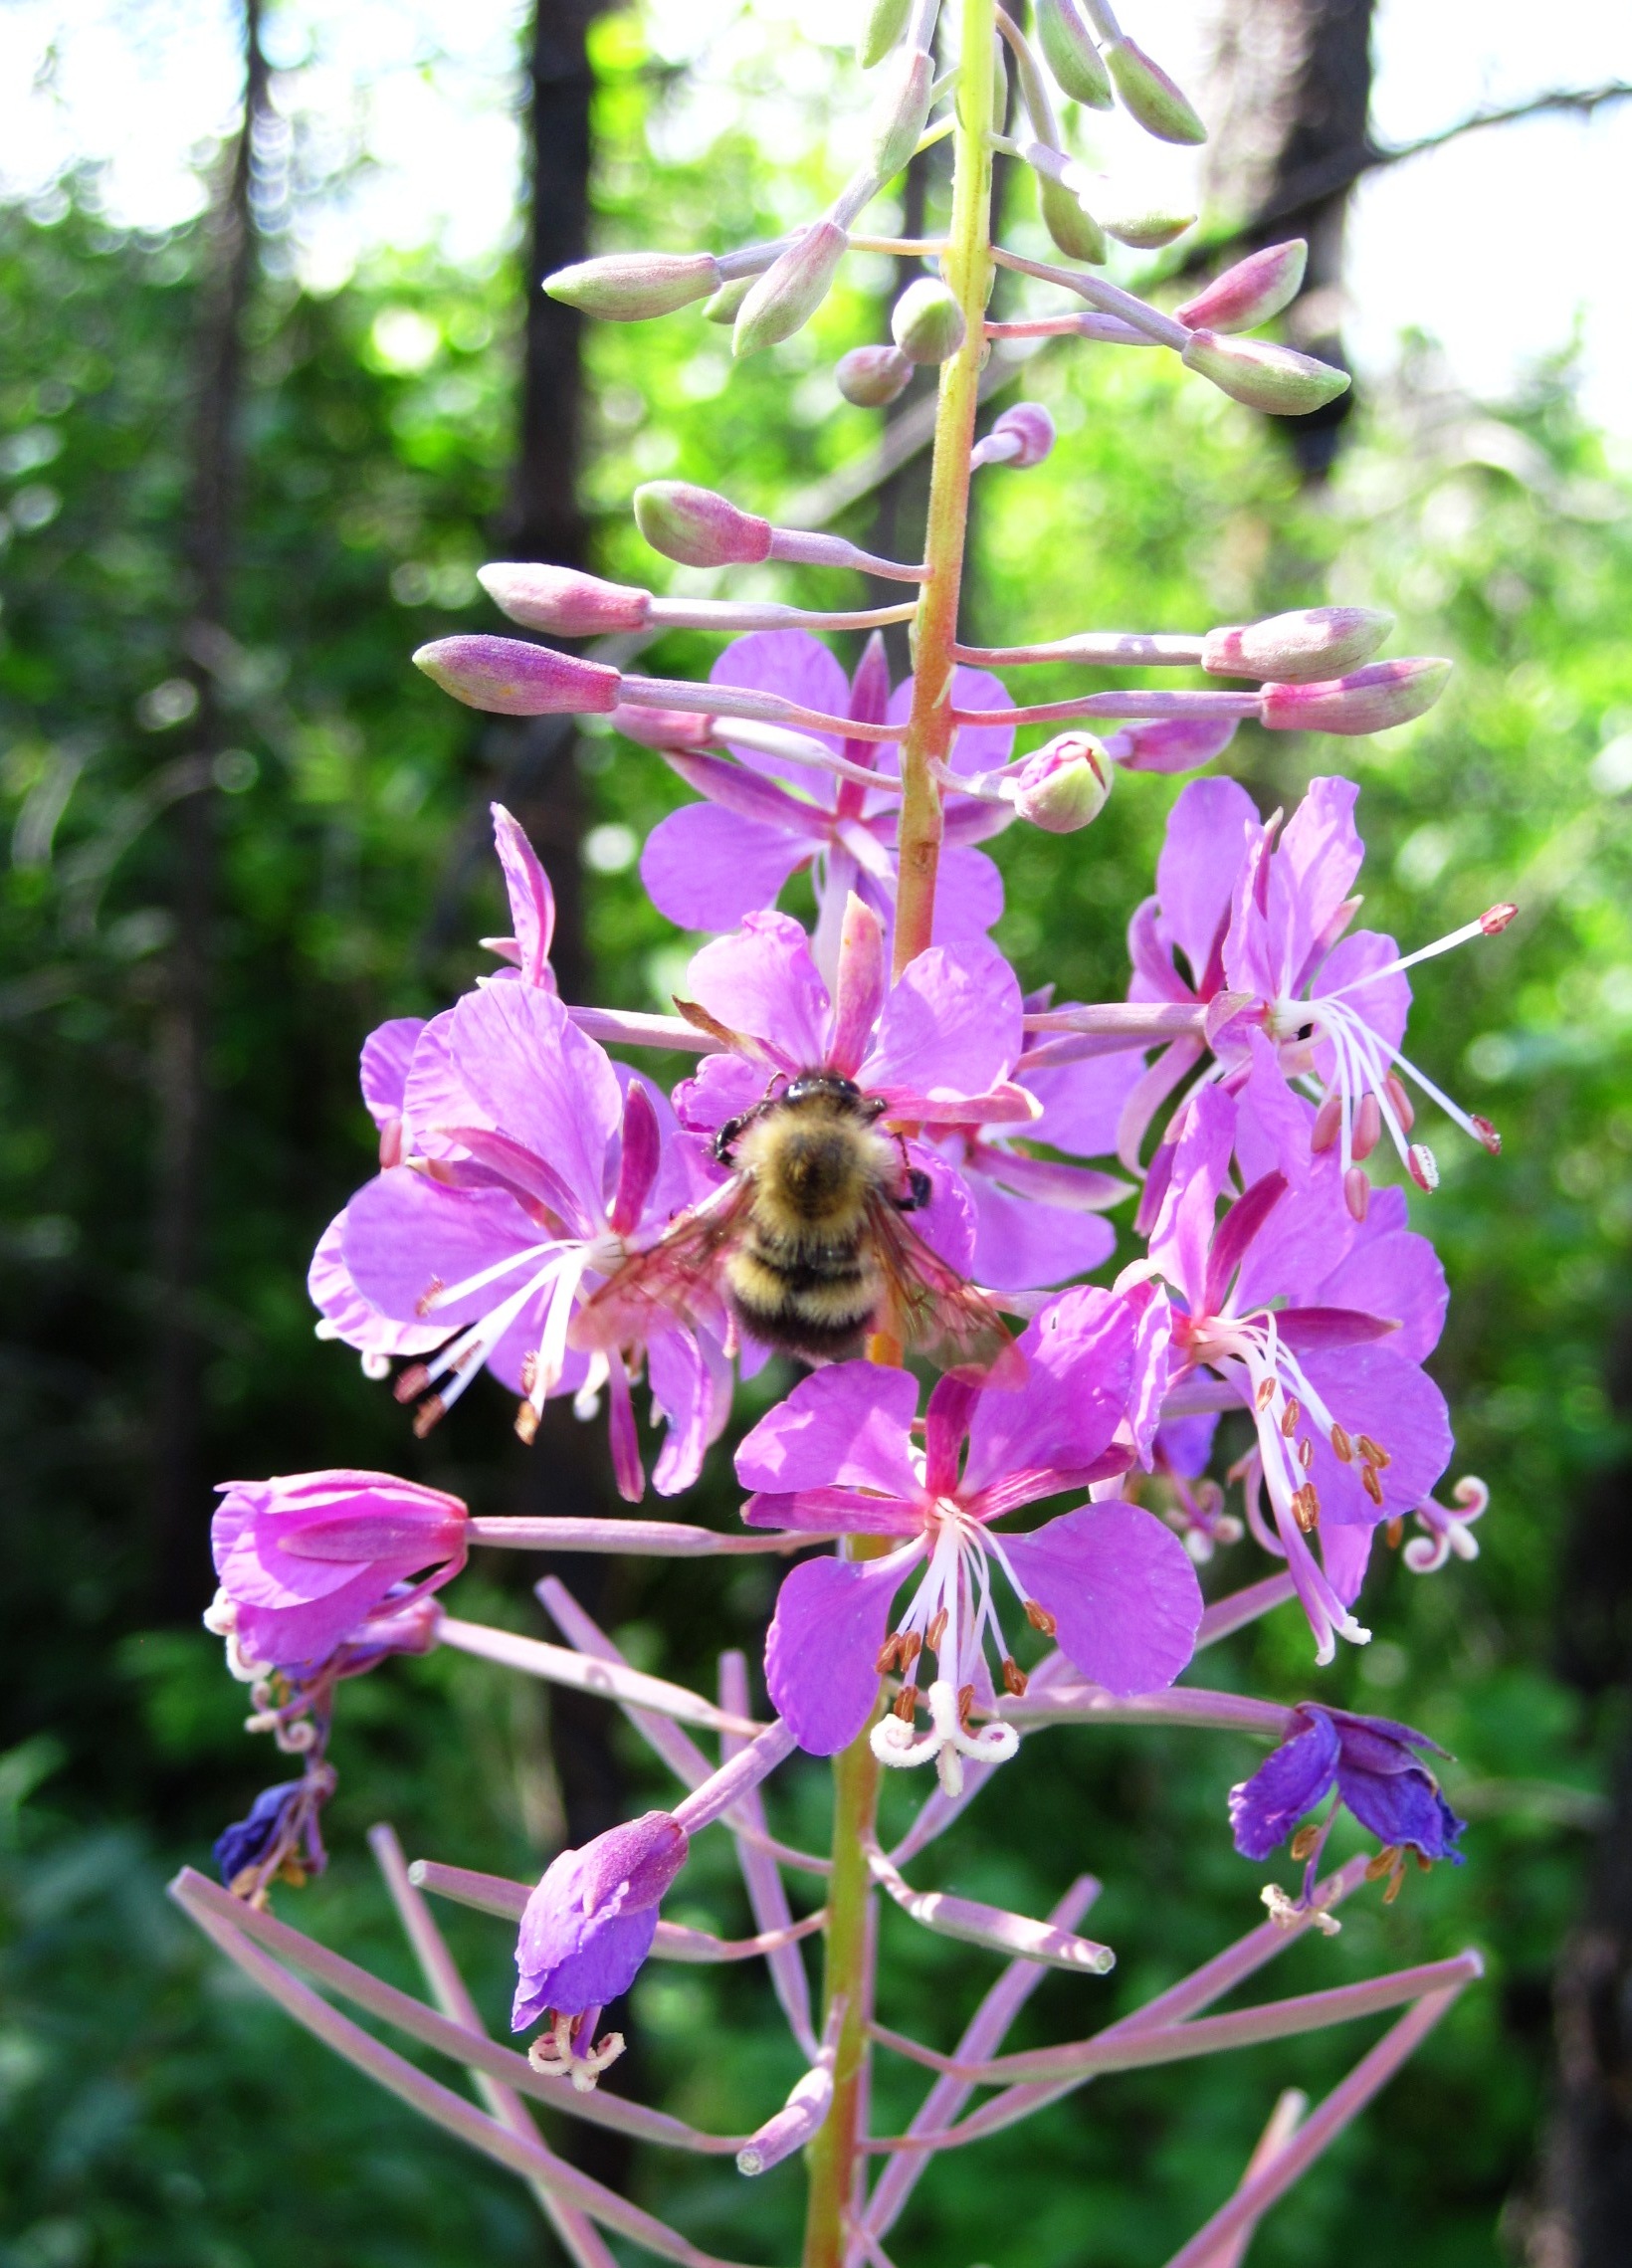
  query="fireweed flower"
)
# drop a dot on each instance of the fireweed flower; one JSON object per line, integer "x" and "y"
{"x": 1108, "y": 1580}
{"x": 535, "y": 1168}
{"x": 1319, "y": 1324}
{"x": 301, "y": 1560}
{"x": 1376, "y": 1768}
{"x": 710, "y": 864}
{"x": 280, "y": 1840}
{"x": 585, "y": 1932}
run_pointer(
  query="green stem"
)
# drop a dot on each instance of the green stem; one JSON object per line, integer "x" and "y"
{"x": 968, "y": 271}
{"x": 835, "y": 2156}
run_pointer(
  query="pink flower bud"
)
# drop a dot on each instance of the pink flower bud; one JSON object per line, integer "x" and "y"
{"x": 1369, "y": 701}
{"x": 700, "y": 527}
{"x": 1318, "y": 642}
{"x": 1251, "y": 291}
{"x": 627, "y": 286}
{"x": 1171, "y": 744}
{"x": 510, "y": 678}
{"x": 1030, "y": 424}
{"x": 1149, "y": 95}
{"x": 791, "y": 291}
{"x": 1071, "y": 54}
{"x": 562, "y": 600}
{"x": 1273, "y": 380}
{"x": 1064, "y": 785}
{"x": 885, "y": 21}
{"x": 303, "y": 1561}
{"x": 663, "y": 728}
{"x": 872, "y": 376}
{"x": 927, "y": 322}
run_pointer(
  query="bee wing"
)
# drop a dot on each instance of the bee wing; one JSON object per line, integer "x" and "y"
{"x": 676, "y": 1274}
{"x": 936, "y": 1312}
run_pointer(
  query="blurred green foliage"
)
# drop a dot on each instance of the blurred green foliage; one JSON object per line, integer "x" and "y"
{"x": 150, "y": 2110}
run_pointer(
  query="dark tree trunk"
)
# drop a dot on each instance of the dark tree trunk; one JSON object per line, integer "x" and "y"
{"x": 1294, "y": 78}
{"x": 181, "y": 1053}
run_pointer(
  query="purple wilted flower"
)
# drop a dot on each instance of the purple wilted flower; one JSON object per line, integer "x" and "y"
{"x": 710, "y": 864}
{"x": 1108, "y": 1579}
{"x": 585, "y": 1932}
{"x": 533, "y": 1167}
{"x": 1376, "y": 1768}
{"x": 280, "y": 1838}
{"x": 1319, "y": 1324}
{"x": 303, "y": 1559}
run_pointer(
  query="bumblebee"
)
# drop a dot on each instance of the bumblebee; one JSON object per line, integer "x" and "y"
{"x": 807, "y": 1243}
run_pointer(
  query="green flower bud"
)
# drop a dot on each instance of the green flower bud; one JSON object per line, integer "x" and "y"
{"x": 1069, "y": 223}
{"x": 1149, "y": 95}
{"x": 900, "y": 114}
{"x": 1064, "y": 785}
{"x": 1274, "y": 380}
{"x": 628, "y": 287}
{"x": 726, "y": 304}
{"x": 872, "y": 376}
{"x": 1069, "y": 50}
{"x": 784, "y": 299}
{"x": 926, "y": 323}
{"x": 885, "y": 21}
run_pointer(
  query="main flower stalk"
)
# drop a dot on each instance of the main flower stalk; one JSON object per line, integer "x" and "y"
{"x": 835, "y": 2154}
{"x": 967, "y": 268}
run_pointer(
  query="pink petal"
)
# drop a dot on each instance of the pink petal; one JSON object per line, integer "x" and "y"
{"x": 1311, "y": 874}
{"x": 1182, "y": 1238}
{"x": 544, "y": 1083}
{"x": 1206, "y": 835}
{"x": 387, "y": 1055}
{"x": 531, "y": 901}
{"x": 1373, "y": 1391}
{"x": 357, "y": 1321}
{"x": 403, "y": 1235}
{"x": 1083, "y": 1102}
{"x": 795, "y": 665}
{"x": 860, "y": 986}
{"x": 1397, "y": 1275}
{"x": 969, "y": 896}
{"x": 951, "y": 1025}
{"x": 846, "y": 1426}
{"x": 823, "y": 1645}
{"x": 762, "y": 982}
{"x": 1385, "y": 1003}
{"x": 692, "y": 1387}
{"x": 1021, "y": 1245}
{"x": 723, "y": 1087}
{"x": 705, "y": 869}
{"x": 1079, "y": 1375}
{"x": 1122, "y": 1590}
{"x": 436, "y": 1096}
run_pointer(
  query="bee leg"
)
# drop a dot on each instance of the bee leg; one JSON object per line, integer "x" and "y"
{"x": 724, "y": 1141}
{"x": 919, "y": 1190}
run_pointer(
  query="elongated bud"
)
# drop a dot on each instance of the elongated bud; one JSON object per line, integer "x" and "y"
{"x": 1368, "y": 701}
{"x": 1069, "y": 223}
{"x": 1318, "y": 642}
{"x": 901, "y": 112}
{"x": 1274, "y": 380}
{"x": 699, "y": 528}
{"x": 510, "y": 678}
{"x": 1251, "y": 291}
{"x": 1064, "y": 785}
{"x": 872, "y": 376}
{"x": 885, "y": 21}
{"x": 1071, "y": 54}
{"x": 627, "y": 286}
{"x": 562, "y": 600}
{"x": 1145, "y": 227}
{"x": 928, "y": 322}
{"x": 663, "y": 728}
{"x": 726, "y": 304}
{"x": 1149, "y": 95}
{"x": 1021, "y": 437}
{"x": 791, "y": 291}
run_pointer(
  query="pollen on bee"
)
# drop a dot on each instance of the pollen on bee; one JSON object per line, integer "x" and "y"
{"x": 427, "y": 1415}
{"x": 1290, "y": 1416}
{"x": 1040, "y": 1618}
{"x": 527, "y": 1422}
{"x": 937, "y": 1631}
{"x": 428, "y": 1297}
{"x": 907, "y": 1704}
{"x": 409, "y": 1385}
{"x": 1015, "y": 1680}
{"x": 1341, "y": 1447}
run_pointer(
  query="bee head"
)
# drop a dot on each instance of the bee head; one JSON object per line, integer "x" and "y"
{"x": 827, "y": 1085}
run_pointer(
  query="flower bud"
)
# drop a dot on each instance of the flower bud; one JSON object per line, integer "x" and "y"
{"x": 1021, "y": 437}
{"x": 1146, "y": 228}
{"x": 872, "y": 376}
{"x": 1069, "y": 50}
{"x": 1251, "y": 291}
{"x": 900, "y": 114}
{"x": 663, "y": 728}
{"x": 885, "y": 21}
{"x": 784, "y": 299}
{"x": 1069, "y": 223}
{"x": 1149, "y": 95}
{"x": 1274, "y": 380}
{"x": 1171, "y": 744}
{"x": 726, "y": 302}
{"x": 927, "y": 322}
{"x": 626, "y": 287}
{"x": 699, "y": 528}
{"x": 590, "y": 1923}
{"x": 1064, "y": 785}
{"x": 562, "y": 600}
{"x": 513, "y": 678}
{"x": 1320, "y": 642}
{"x": 1368, "y": 701}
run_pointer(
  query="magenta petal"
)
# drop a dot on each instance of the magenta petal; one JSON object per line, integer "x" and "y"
{"x": 723, "y": 1087}
{"x": 705, "y": 869}
{"x": 1181, "y": 1241}
{"x": 404, "y": 1235}
{"x": 947, "y": 1222}
{"x": 1023, "y": 1246}
{"x": 544, "y": 1083}
{"x": 823, "y": 1646}
{"x": 951, "y": 1026}
{"x": 1345, "y": 1554}
{"x": 387, "y": 1055}
{"x": 1374, "y": 1391}
{"x": 435, "y": 1096}
{"x": 762, "y": 982}
{"x": 795, "y": 665}
{"x": 1311, "y": 874}
{"x": 352, "y": 1319}
{"x": 1385, "y": 1002}
{"x": 846, "y": 1426}
{"x": 969, "y": 896}
{"x": 835, "y": 1511}
{"x": 1122, "y": 1590}
{"x": 1083, "y": 1102}
{"x": 1204, "y": 845}
{"x": 691, "y": 1384}
{"x": 1397, "y": 1275}
{"x": 863, "y": 977}
{"x": 531, "y": 901}
{"x": 1078, "y": 1374}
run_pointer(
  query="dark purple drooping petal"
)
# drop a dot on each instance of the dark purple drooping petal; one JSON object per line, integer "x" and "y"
{"x": 591, "y": 1920}
{"x": 1376, "y": 1766}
